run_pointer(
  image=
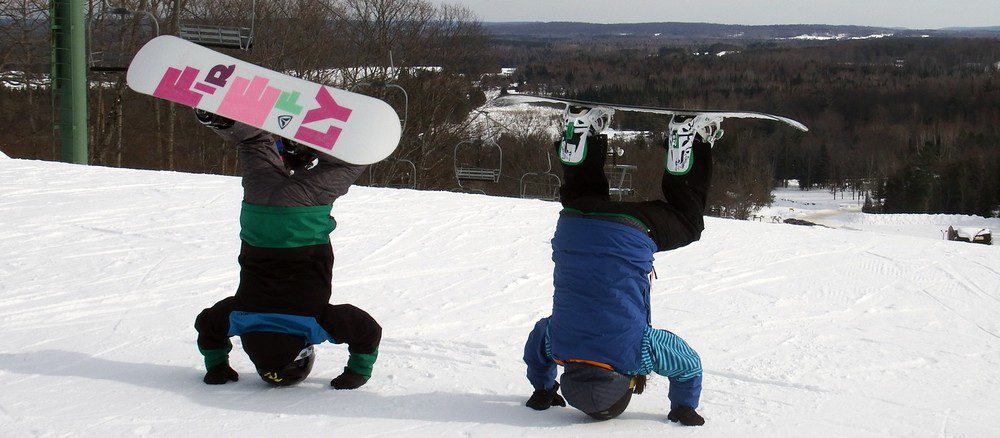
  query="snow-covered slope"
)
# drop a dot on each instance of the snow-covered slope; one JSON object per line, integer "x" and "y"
{"x": 802, "y": 331}
{"x": 843, "y": 211}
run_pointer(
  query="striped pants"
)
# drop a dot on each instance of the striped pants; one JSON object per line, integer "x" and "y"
{"x": 669, "y": 356}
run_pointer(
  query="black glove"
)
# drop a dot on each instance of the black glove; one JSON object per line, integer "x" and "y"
{"x": 221, "y": 374}
{"x": 213, "y": 121}
{"x": 298, "y": 157}
{"x": 348, "y": 380}
{"x": 543, "y": 399}
{"x": 686, "y": 416}
{"x": 640, "y": 384}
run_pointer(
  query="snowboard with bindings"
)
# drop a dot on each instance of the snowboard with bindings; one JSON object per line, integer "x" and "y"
{"x": 718, "y": 115}
{"x": 347, "y": 126}
{"x": 585, "y": 119}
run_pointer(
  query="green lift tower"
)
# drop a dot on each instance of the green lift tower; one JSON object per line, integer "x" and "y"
{"x": 69, "y": 79}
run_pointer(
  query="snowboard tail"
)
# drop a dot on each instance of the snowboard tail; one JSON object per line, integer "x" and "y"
{"x": 350, "y": 127}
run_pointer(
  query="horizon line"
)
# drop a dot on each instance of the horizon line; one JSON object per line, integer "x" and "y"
{"x": 997, "y": 28}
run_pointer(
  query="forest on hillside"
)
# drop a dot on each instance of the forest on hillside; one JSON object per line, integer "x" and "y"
{"x": 911, "y": 123}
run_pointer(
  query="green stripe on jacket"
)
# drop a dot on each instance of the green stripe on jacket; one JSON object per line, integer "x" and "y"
{"x": 266, "y": 226}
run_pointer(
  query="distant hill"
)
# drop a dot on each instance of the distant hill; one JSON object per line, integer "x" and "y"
{"x": 702, "y": 31}
{"x": 973, "y": 29}
{"x": 988, "y": 32}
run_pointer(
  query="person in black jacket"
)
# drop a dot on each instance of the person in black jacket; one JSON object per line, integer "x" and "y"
{"x": 282, "y": 306}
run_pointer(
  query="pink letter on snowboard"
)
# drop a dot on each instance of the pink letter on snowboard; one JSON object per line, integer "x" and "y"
{"x": 249, "y": 101}
{"x": 328, "y": 109}
{"x": 175, "y": 86}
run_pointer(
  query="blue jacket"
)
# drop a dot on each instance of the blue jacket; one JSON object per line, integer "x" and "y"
{"x": 601, "y": 310}
{"x": 600, "y": 307}
{"x": 307, "y": 327}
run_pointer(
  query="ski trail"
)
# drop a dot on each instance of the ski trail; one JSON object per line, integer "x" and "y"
{"x": 967, "y": 284}
{"x": 749, "y": 379}
{"x": 959, "y": 314}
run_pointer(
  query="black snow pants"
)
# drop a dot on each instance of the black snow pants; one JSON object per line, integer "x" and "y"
{"x": 672, "y": 223}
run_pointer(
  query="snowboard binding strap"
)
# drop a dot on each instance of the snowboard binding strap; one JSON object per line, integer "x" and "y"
{"x": 581, "y": 120}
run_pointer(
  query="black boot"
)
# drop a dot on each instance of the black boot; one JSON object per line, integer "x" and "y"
{"x": 686, "y": 416}
{"x": 586, "y": 179}
{"x": 690, "y": 190}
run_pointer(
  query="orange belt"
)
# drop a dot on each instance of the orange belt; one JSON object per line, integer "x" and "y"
{"x": 588, "y": 362}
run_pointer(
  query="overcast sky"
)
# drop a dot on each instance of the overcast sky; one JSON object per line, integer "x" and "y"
{"x": 916, "y": 14}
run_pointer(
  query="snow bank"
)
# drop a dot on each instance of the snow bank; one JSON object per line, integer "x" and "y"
{"x": 943, "y": 220}
{"x": 802, "y": 331}
{"x": 820, "y": 206}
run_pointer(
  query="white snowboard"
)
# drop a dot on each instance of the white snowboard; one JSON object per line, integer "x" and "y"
{"x": 515, "y": 99}
{"x": 350, "y": 127}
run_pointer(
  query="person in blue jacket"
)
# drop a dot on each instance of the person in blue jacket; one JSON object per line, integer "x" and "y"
{"x": 599, "y": 330}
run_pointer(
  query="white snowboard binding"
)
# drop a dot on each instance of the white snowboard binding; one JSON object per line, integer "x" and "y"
{"x": 581, "y": 124}
{"x": 682, "y": 133}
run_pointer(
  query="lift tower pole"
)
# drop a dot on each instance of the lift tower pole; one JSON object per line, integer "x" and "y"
{"x": 69, "y": 79}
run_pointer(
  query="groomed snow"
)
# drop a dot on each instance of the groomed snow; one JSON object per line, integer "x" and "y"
{"x": 803, "y": 331}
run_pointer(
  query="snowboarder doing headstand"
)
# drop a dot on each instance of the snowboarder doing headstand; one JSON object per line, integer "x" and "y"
{"x": 281, "y": 308}
{"x": 599, "y": 330}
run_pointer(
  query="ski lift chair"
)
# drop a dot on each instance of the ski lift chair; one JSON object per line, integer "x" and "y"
{"x": 475, "y": 170}
{"x": 541, "y": 185}
{"x": 620, "y": 179}
{"x": 395, "y": 167}
{"x": 218, "y": 36}
{"x": 467, "y": 190}
{"x": 12, "y": 78}
{"x": 111, "y": 60}
{"x": 222, "y": 37}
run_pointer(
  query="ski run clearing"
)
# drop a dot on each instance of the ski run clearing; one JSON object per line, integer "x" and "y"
{"x": 874, "y": 327}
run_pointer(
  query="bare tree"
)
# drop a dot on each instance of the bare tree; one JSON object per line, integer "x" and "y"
{"x": 23, "y": 59}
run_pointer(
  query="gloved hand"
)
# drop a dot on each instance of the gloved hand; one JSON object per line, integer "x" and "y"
{"x": 213, "y": 121}
{"x": 348, "y": 380}
{"x": 221, "y": 374}
{"x": 297, "y": 156}
{"x": 543, "y": 399}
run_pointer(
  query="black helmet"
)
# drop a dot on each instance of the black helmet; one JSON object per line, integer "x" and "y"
{"x": 296, "y": 156}
{"x": 281, "y": 359}
{"x": 600, "y": 393}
